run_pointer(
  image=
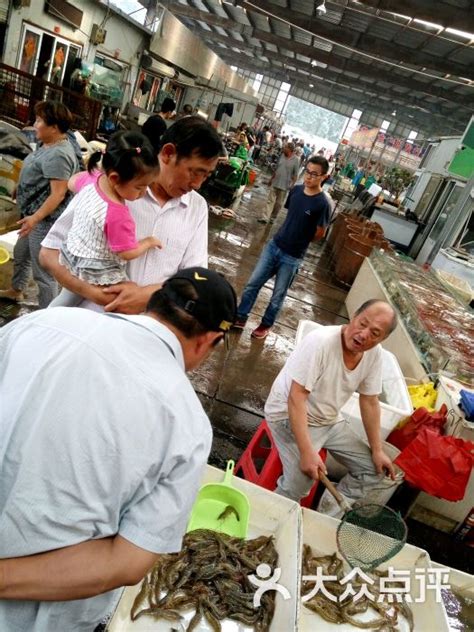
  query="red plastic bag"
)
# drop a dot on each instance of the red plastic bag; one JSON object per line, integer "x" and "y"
{"x": 421, "y": 418}
{"x": 440, "y": 466}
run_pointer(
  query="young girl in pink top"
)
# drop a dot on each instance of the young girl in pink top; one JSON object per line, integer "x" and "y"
{"x": 102, "y": 237}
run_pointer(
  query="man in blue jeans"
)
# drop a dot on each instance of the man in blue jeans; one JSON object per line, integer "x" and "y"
{"x": 306, "y": 220}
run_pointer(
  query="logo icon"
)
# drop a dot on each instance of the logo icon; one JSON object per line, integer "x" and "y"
{"x": 265, "y": 583}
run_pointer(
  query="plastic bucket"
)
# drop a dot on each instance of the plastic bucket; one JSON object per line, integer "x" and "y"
{"x": 359, "y": 243}
{"x": 349, "y": 226}
{"x": 4, "y": 255}
{"x": 351, "y": 257}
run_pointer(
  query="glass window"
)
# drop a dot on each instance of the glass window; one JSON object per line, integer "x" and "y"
{"x": 106, "y": 80}
{"x": 146, "y": 90}
{"x": 168, "y": 89}
{"x": 29, "y": 51}
{"x": 47, "y": 56}
{"x": 257, "y": 82}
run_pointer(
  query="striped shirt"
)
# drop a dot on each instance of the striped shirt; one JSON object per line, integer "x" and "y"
{"x": 180, "y": 224}
{"x": 100, "y": 227}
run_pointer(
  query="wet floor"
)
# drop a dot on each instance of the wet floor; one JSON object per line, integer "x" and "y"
{"x": 235, "y": 381}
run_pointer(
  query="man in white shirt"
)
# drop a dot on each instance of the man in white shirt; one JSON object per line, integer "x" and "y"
{"x": 303, "y": 408}
{"x": 99, "y": 470}
{"x": 171, "y": 210}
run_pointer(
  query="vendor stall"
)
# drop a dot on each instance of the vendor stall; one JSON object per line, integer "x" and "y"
{"x": 227, "y": 184}
{"x": 293, "y": 531}
{"x": 435, "y": 332}
{"x": 396, "y": 227}
{"x": 270, "y": 515}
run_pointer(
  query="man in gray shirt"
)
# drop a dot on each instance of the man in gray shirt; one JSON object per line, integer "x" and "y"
{"x": 103, "y": 445}
{"x": 282, "y": 180}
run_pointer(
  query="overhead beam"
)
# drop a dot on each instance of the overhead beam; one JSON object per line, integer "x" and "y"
{"x": 365, "y": 42}
{"x": 349, "y": 65}
{"x": 345, "y": 95}
{"x": 323, "y": 73}
{"x": 349, "y": 95}
{"x": 321, "y": 77}
{"x": 441, "y": 13}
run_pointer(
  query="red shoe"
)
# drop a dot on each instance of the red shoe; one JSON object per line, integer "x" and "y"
{"x": 261, "y": 332}
{"x": 239, "y": 323}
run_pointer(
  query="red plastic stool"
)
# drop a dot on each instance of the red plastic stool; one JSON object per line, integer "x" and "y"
{"x": 262, "y": 451}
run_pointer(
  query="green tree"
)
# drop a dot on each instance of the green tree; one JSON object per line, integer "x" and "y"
{"x": 397, "y": 180}
{"x": 314, "y": 119}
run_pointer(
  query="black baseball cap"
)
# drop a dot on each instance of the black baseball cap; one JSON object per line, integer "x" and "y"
{"x": 216, "y": 305}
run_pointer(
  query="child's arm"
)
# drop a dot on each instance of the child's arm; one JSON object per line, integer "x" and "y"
{"x": 143, "y": 246}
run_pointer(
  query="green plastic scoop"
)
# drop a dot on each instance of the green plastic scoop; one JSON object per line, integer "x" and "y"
{"x": 221, "y": 507}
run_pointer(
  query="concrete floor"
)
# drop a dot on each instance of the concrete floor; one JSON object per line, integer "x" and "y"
{"x": 234, "y": 383}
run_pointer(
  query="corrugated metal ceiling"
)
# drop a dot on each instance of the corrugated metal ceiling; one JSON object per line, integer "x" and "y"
{"x": 352, "y": 39}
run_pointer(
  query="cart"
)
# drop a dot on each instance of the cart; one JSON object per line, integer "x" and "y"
{"x": 227, "y": 184}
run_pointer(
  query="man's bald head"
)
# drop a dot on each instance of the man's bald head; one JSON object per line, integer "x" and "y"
{"x": 369, "y": 326}
{"x": 380, "y": 307}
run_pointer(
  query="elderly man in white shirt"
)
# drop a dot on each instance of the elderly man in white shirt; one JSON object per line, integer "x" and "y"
{"x": 304, "y": 407}
{"x": 99, "y": 471}
{"x": 171, "y": 210}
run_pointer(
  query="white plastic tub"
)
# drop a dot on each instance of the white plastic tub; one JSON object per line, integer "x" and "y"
{"x": 269, "y": 515}
{"x": 319, "y": 531}
{"x": 397, "y": 405}
{"x": 8, "y": 241}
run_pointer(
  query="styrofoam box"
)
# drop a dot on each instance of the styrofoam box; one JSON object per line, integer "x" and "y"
{"x": 460, "y": 582}
{"x": 398, "y": 405}
{"x": 319, "y": 531}
{"x": 270, "y": 514}
{"x": 8, "y": 241}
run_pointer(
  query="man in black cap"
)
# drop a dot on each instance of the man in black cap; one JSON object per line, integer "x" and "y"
{"x": 104, "y": 442}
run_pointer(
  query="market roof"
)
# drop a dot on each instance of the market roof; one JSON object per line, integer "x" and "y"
{"x": 420, "y": 64}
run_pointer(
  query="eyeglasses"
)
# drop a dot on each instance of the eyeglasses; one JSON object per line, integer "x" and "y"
{"x": 313, "y": 174}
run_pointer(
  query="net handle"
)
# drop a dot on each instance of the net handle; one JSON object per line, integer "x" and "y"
{"x": 332, "y": 489}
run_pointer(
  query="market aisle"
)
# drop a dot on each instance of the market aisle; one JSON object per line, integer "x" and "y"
{"x": 235, "y": 382}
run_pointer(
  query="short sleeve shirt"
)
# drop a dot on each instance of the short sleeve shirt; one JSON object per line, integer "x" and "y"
{"x": 287, "y": 170}
{"x": 85, "y": 178}
{"x": 305, "y": 214}
{"x": 54, "y": 162}
{"x": 101, "y": 227}
{"x": 181, "y": 224}
{"x": 116, "y": 447}
{"x": 317, "y": 364}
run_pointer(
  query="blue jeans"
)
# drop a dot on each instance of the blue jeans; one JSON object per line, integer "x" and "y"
{"x": 273, "y": 262}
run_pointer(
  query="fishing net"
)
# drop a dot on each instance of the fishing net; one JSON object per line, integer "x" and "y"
{"x": 369, "y": 535}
